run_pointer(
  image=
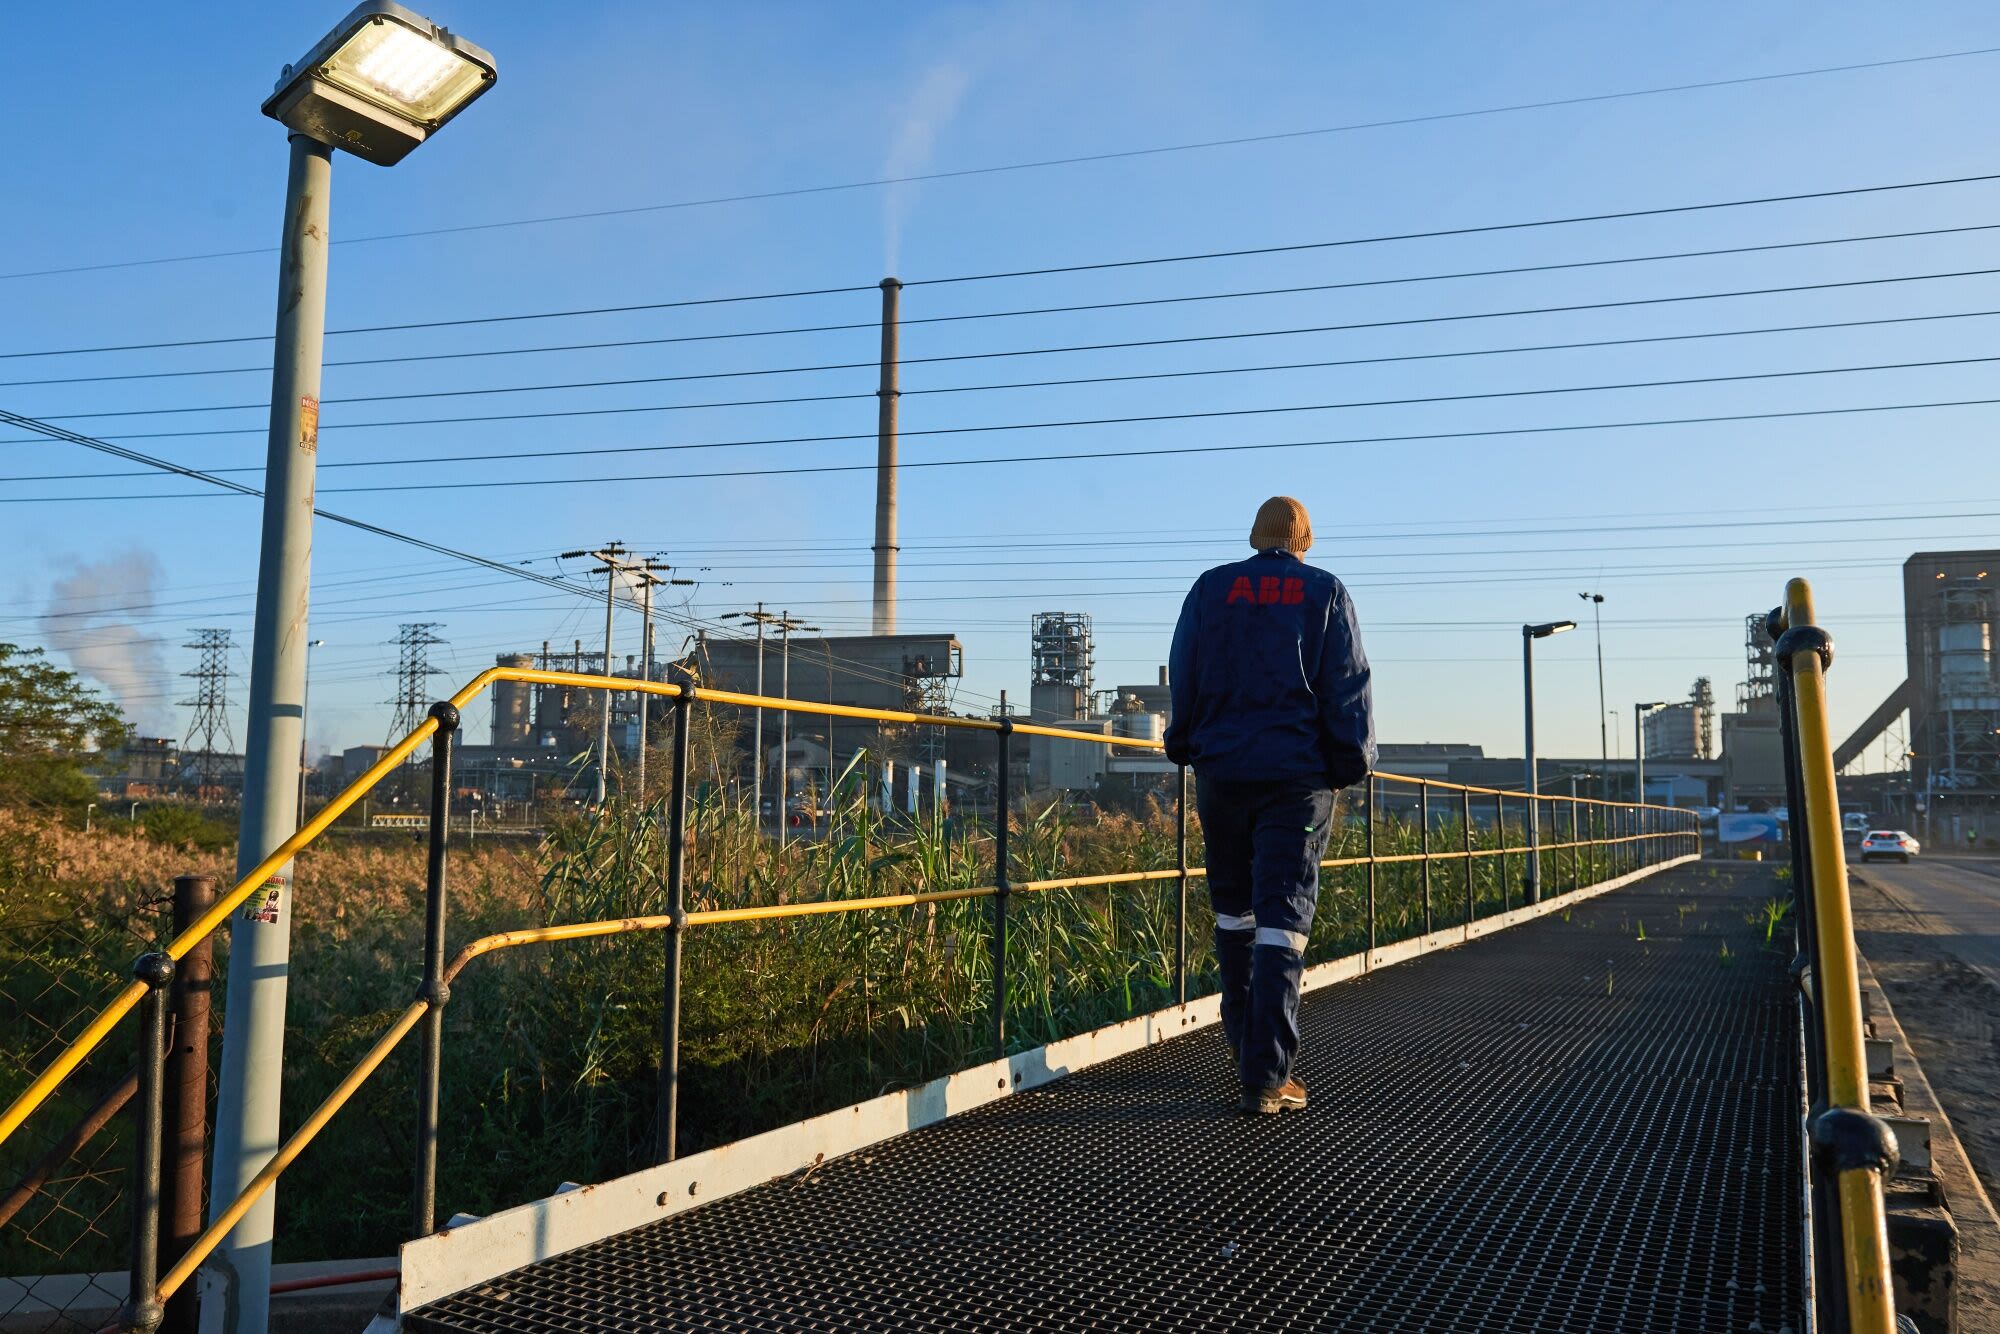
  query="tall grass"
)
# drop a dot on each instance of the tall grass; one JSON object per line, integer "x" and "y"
{"x": 552, "y": 1052}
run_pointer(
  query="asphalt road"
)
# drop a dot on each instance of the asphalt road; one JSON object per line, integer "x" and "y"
{"x": 1958, "y": 899}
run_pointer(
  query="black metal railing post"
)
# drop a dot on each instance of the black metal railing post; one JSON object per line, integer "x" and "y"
{"x": 1003, "y": 818}
{"x": 1424, "y": 844}
{"x": 435, "y": 992}
{"x": 1465, "y": 830}
{"x": 1561, "y": 804}
{"x": 142, "y": 1311}
{"x": 1577, "y": 847}
{"x": 1369, "y": 844}
{"x": 667, "y": 1133}
{"x": 1180, "y": 904}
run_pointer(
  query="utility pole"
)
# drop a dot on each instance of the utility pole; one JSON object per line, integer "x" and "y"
{"x": 649, "y": 579}
{"x": 784, "y": 624}
{"x": 885, "y": 463}
{"x": 1596, "y": 601}
{"x": 613, "y": 563}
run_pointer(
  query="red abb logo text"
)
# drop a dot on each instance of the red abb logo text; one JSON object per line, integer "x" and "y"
{"x": 1267, "y": 589}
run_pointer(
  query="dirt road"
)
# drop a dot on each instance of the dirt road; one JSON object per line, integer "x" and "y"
{"x": 1931, "y": 931}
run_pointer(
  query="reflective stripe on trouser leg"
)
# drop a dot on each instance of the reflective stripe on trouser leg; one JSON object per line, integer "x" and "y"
{"x": 1290, "y": 836}
{"x": 1229, "y": 921}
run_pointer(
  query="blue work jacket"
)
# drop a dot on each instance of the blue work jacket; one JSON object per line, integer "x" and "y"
{"x": 1268, "y": 677}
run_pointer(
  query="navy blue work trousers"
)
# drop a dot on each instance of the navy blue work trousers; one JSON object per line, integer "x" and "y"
{"x": 1265, "y": 842}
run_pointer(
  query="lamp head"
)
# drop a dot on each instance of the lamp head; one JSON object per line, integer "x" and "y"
{"x": 1547, "y": 628}
{"x": 380, "y": 83}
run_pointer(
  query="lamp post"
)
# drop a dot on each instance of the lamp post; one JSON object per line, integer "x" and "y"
{"x": 1639, "y": 747}
{"x": 1596, "y": 601}
{"x": 305, "y": 703}
{"x": 380, "y": 83}
{"x": 1529, "y": 634}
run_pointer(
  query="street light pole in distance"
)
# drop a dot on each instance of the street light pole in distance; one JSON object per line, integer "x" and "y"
{"x": 377, "y": 85}
{"x": 1596, "y": 601}
{"x": 1639, "y": 747}
{"x": 305, "y": 704}
{"x": 1529, "y": 634}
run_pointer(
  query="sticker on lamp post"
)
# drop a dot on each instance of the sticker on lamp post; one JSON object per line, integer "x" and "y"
{"x": 264, "y": 904}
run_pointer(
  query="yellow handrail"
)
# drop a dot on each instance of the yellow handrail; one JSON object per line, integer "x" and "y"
{"x": 1837, "y": 979}
{"x": 344, "y": 1092}
{"x": 100, "y": 1027}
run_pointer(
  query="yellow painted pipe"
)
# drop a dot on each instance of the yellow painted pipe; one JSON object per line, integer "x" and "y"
{"x": 126, "y": 999}
{"x": 1837, "y": 986}
{"x": 1871, "y": 1298}
{"x": 289, "y": 1151}
{"x": 822, "y": 907}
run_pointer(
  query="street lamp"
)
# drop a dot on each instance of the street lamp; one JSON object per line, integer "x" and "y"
{"x": 305, "y": 703}
{"x": 1596, "y": 601}
{"x": 1639, "y": 747}
{"x": 377, "y": 85}
{"x": 1529, "y": 634}
{"x": 383, "y": 81}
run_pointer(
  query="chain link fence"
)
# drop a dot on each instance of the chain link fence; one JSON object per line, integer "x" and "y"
{"x": 64, "y": 1219}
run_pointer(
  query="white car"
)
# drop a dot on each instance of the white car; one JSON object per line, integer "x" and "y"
{"x": 1888, "y": 843}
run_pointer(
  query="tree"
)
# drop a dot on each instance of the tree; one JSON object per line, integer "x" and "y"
{"x": 50, "y": 723}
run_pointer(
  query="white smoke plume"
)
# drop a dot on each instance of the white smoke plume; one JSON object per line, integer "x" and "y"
{"x": 94, "y": 618}
{"x": 930, "y": 108}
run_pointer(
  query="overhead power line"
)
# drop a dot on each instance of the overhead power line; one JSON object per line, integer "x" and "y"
{"x": 513, "y": 571}
{"x": 1679, "y": 382}
{"x": 1240, "y": 294}
{"x": 1459, "y": 317}
{"x": 879, "y": 182}
{"x": 1074, "y": 456}
{"x": 1479, "y": 229}
{"x": 1197, "y": 373}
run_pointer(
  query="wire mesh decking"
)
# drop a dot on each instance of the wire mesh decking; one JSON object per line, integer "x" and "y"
{"x": 1584, "y": 1123}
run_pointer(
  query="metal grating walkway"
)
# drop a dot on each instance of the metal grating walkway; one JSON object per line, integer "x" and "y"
{"x": 1563, "y": 1127}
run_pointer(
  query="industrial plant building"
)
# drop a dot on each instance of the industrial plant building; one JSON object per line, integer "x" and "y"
{"x": 1951, "y": 694}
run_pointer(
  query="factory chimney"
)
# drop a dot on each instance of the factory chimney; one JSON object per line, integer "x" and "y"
{"x": 885, "y": 466}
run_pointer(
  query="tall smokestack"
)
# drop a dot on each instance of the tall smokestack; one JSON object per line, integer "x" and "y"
{"x": 885, "y": 466}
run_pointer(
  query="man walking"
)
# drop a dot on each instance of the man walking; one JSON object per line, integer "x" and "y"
{"x": 1271, "y": 708}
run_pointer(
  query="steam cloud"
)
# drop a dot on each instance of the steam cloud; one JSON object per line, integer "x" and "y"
{"x": 929, "y": 110}
{"x": 92, "y": 618}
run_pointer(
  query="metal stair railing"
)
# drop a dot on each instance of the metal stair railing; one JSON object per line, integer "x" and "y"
{"x": 1620, "y": 838}
{"x": 1850, "y": 1152}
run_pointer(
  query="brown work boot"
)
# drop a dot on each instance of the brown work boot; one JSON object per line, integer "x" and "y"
{"x": 1289, "y": 1096}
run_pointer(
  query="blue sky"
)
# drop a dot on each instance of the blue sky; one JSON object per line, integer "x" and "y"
{"x": 1448, "y": 545}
